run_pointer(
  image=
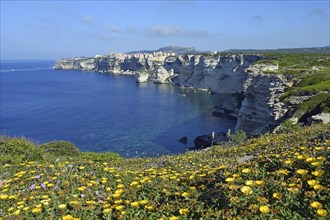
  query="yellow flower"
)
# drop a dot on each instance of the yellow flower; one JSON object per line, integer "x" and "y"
{"x": 3, "y": 196}
{"x": 193, "y": 188}
{"x": 316, "y": 164}
{"x": 249, "y": 182}
{"x": 288, "y": 162}
{"x": 81, "y": 167}
{"x": 116, "y": 195}
{"x": 119, "y": 191}
{"x": 134, "y": 183}
{"x": 120, "y": 186}
{"x": 11, "y": 209}
{"x": 260, "y": 182}
{"x": 82, "y": 188}
{"x": 17, "y": 212}
{"x": 230, "y": 179}
{"x": 174, "y": 218}
{"x": 68, "y": 217}
{"x": 293, "y": 189}
{"x": 246, "y": 170}
{"x": 246, "y": 190}
{"x": 310, "y": 159}
{"x": 118, "y": 201}
{"x": 184, "y": 211}
{"x": 62, "y": 206}
{"x": 316, "y": 205}
{"x": 105, "y": 211}
{"x": 149, "y": 207}
{"x": 36, "y": 210}
{"x": 13, "y": 196}
{"x": 90, "y": 202}
{"x": 302, "y": 172}
{"x": 120, "y": 207}
{"x": 283, "y": 171}
{"x": 73, "y": 202}
{"x": 318, "y": 187}
{"x": 312, "y": 182}
{"x": 322, "y": 212}
{"x": 319, "y": 148}
{"x": 26, "y": 208}
{"x": 318, "y": 173}
{"x": 264, "y": 209}
{"x": 135, "y": 204}
{"x": 300, "y": 157}
{"x": 277, "y": 195}
{"x": 185, "y": 194}
{"x": 143, "y": 202}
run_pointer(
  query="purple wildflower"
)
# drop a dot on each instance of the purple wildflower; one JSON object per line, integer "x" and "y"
{"x": 37, "y": 176}
{"x": 32, "y": 187}
{"x": 43, "y": 185}
{"x": 82, "y": 195}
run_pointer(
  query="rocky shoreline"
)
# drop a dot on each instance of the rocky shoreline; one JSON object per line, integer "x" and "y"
{"x": 240, "y": 87}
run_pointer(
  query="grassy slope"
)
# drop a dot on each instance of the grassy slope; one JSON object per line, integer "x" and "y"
{"x": 285, "y": 175}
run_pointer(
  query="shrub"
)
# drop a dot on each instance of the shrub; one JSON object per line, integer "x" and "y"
{"x": 16, "y": 150}
{"x": 60, "y": 148}
{"x": 320, "y": 101}
{"x": 238, "y": 137}
{"x": 287, "y": 127}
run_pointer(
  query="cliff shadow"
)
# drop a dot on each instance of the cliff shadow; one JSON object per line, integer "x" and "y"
{"x": 200, "y": 125}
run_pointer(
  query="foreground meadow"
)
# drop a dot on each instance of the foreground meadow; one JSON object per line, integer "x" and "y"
{"x": 282, "y": 176}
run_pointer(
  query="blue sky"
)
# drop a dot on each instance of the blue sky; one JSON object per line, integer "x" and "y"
{"x": 57, "y": 29}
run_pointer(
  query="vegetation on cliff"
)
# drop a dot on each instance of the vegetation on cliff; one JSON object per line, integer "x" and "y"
{"x": 308, "y": 75}
{"x": 275, "y": 176}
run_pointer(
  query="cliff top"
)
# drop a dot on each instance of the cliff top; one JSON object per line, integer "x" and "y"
{"x": 305, "y": 50}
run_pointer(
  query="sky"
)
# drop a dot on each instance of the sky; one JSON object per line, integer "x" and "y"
{"x": 61, "y": 29}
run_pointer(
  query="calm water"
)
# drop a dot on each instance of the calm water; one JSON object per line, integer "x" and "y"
{"x": 101, "y": 112}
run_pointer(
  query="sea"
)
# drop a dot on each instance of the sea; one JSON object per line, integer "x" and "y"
{"x": 102, "y": 112}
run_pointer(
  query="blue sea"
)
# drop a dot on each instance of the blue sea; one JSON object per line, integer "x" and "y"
{"x": 102, "y": 112}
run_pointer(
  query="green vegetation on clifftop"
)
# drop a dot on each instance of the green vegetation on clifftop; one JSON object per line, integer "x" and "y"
{"x": 308, "y": 75}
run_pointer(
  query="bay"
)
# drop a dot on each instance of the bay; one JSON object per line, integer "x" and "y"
{"x": 102, "y": 112}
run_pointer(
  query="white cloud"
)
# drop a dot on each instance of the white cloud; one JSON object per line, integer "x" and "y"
{"x": 197, "y": 33}
{"x": 165, "y": 31}
{"x": 111, "y": 28}
{"x": 171, "y": 31}
{"x": 87, "y": 19}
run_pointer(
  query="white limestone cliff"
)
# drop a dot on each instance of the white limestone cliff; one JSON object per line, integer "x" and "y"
{"x": 141, "y": 77}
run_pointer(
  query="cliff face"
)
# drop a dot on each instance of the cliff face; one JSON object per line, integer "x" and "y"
{"x": 239, "y": 87}
{"x": 114, "y": 63}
